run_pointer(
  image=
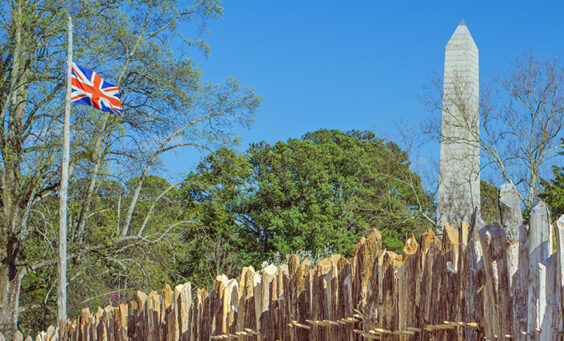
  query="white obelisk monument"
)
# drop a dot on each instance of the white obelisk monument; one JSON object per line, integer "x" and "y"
{"x": 459, "y": 174}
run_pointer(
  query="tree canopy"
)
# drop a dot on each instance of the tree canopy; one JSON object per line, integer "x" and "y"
{"x": 142, "y": 47}
{"x": 324, "y": 190}
{"x": 553, "y": 190}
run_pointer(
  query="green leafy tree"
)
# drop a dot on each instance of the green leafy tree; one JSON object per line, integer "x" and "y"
{"x": 214, "y": 192}
{"x": 166, "y": 106}
{"x": 553, "y": 191}
{"x": 329, "y": 188}
{"x": 324, "y": 190}
{"x": 489, "y": 198}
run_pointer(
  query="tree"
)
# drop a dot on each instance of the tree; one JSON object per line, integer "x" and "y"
{"x": 324, "y": 190}
{"x": 553, "y": 191}
{"x": 214, "y": 192}
{"x": 166, "y": 106}
{"x": 522, "y": 116}
{"x": 489, "y": 202}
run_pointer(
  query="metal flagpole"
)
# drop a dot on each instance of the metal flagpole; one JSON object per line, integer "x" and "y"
{"x": 62, "y": 266}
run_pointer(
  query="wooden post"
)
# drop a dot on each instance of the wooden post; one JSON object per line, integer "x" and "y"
{"x": 492, "y": 238}
{"x": 560, "y": 263}
{"x": 247, "y": 306}
{"x": 152, "y": 313}
{"x": 430, "y": 295}
{"x": 517, "y": 265}
{"x": 183, "y": 301}
{"x": 229, "y": 299}
{"x": 62, "y": 267}
{"x": 304, "y": 296}
{"x": 197, "y": 315}
{"x": 141, "y": 320}
{"x": 266, "y": 294}
{"x": 321, "y": 299}
{"x": 120, "y": 316}
{"x": 166, "y": 313}
{"x": 539, "y": 250}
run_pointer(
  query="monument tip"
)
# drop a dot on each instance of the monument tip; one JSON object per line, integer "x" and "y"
{"x": 462, "y": 23}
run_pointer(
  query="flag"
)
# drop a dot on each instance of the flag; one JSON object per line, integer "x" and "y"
{"x": 88, "y": 88}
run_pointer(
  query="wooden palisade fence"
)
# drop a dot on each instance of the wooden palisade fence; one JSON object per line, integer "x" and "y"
{"x": 491, "y": 282}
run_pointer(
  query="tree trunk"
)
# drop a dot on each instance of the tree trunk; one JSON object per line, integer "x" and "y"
{"x": 10, "y": 285}
{"x": 13, "y": 226}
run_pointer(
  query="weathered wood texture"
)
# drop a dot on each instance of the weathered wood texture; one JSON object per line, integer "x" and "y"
{"x": 491, "y": 283}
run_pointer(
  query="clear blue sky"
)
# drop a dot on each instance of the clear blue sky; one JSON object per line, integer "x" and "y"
{"x": 359, "y": 64}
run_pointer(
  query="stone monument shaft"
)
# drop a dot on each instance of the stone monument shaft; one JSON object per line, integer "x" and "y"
{"x": 459, "y": 174}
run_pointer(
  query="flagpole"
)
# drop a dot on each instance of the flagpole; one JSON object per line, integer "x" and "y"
{"x": 62, "y": 266}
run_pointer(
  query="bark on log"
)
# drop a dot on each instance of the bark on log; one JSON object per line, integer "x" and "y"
{"x": 510, "y": 211}
{"x": 560, "y": 265}
{"x": 512, "y": 222}
{"x": 493, "y": 241}
{"x": 183, "y": 299}
{"x": 478, "y": 282}
{"x": 120, "y": 317}
{"x": 539, "y": 250}
{"x": 267, "y": 304}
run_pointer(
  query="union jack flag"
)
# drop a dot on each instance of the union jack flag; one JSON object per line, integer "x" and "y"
{"x": 88, "y": 88}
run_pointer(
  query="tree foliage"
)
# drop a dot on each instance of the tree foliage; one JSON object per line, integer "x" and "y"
{"x": 213, "y": 192}
{"x": 553, "y": 191}
{"x": 325, "y": 189}
{"x": 114, "y": 218}
{"x": 489, "y": 202}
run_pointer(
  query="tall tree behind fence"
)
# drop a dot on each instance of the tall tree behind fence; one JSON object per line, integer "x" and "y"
{"x": 498, "y": 282}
